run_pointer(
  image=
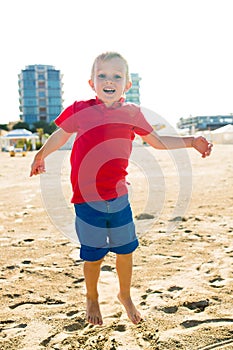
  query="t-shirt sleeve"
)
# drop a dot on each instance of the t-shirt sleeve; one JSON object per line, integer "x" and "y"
{"x": 142, "y": 126}
{"x": 68, "y": 120}
{"x": 65, "y": 120}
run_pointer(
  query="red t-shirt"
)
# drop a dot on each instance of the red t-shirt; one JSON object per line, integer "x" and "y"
{"x": 102, "y": 146}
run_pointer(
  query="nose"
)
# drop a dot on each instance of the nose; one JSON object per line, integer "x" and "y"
{"x": 108, "y": 79}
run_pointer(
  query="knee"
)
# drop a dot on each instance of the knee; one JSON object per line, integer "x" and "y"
{"x": 94, "y": 263}
{"x": 125, "y": 257}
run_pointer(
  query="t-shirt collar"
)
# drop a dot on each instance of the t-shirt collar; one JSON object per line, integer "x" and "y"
{"x": 114, "y": 105}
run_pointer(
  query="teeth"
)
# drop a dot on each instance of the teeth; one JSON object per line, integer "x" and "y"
{"x": 108, "y": 90}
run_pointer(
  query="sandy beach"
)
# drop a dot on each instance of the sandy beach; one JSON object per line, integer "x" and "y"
{"x": 183, "y": 270}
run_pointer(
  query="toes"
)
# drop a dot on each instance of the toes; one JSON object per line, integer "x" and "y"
{"x": 100, "y": 322}
{"x": 135, "y": 318}
{"x": 138, "y": 319}
{"x": 95, "y": 320}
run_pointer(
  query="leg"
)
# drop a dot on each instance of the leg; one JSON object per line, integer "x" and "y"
{"x": 124, "y": 266}
{"x": 91, "y": 273}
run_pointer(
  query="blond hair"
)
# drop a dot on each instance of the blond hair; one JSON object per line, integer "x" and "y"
{"x": 108, "y": 56}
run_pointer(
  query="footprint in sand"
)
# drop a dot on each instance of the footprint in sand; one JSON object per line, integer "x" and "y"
{"x": 170, "y": 309}
{"x": 72, "y": 313}
{"x": 195, "y": 323}
{"x": 107, "y": 268}
{"x": 28, "y": 240}
{"x": 147, "y": 335}
{"x": 144, "y": 216}
{"x": 197, "y": 306}
{"x": 148, "y": 292}
{"x": 174, "y": 288}
{"x": 217, "y": 282}
{"x": 219, "y": 345}
{"x": 45, "y": 301}
{"x": 120, "y": 327}
{"x": 69, "y": 334}
{"x": 78, "y": 324}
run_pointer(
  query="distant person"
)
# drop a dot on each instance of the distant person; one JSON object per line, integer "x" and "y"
{"x": 105, "y": 128}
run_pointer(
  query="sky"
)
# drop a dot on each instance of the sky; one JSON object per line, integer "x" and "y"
{"x": 182, "y": 50}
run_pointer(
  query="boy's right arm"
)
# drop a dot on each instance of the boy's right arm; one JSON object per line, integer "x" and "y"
{"x": 54, "y": 142}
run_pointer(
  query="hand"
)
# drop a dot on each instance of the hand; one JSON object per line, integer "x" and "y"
{"x": 37, "y": 167}
{"x": 202, "y": 146}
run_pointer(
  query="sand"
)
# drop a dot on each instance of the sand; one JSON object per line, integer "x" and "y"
{"x": 183, "y": 269}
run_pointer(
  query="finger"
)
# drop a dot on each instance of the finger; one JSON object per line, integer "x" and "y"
{"x": 33, "y": 171}
{"x": 209, "y": 149}
{"x": 41, "y": 169}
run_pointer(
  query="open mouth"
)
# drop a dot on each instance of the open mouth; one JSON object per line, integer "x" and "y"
{"x": 109, "y": 91}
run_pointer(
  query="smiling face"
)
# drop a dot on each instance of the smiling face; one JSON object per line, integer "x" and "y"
{"x": 110, "y": 79}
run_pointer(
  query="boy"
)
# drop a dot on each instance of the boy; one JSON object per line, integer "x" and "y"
{"x": 106, "y": 127}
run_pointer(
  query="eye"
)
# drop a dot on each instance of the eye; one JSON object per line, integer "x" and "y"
{"x": 117, "y": 77}
{"x": 101, "y": 76}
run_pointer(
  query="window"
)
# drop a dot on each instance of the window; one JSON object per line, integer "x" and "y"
{"x": 30, "y": 118}
{"x": 41, "y": 76}
{"x": 29, "y": 93}
{"x": 41, "y": 84}
{"x": 53, "y": 84}
{"x": 42, "y": 102}
{"x": 30, "y": 110}
{"x": 28, "y": 75}
{"x": 29, "y": 83}
{"x": 40, "y": 67}
{"x": 54, "y": 93}
{"x": 30, "y": 102}
{"x": 55, "y": 110}
{"x": 228, "y": 120}
{"x": 53, "y": 75}
{"x": 41, "y": 93}
{"x": 54, "y": 101}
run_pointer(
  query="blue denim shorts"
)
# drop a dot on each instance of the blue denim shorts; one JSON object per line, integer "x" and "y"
{"x": 104, "y": 226}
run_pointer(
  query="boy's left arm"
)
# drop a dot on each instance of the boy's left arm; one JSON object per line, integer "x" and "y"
{"x": 175, "y": 142}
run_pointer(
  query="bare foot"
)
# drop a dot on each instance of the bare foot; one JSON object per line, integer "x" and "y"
{"x": 93, "y": 312}
{"x": 133, "y": 314}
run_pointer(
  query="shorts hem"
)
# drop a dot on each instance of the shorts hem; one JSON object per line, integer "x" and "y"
{"x": 126, "y": 248}
{"x": 94, "y": 254}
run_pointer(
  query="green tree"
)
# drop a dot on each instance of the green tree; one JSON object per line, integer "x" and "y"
{"x": 40, "y": 125}
{"x": 52, "y": 127}
{"x": 47, "y": 128}
{"x": 21, "y": 125}
{"x": 4, "y": 127}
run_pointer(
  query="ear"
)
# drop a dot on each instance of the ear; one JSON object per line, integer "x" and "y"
{"x": 90, "y": 82}
{"x": 128, "y": 86}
